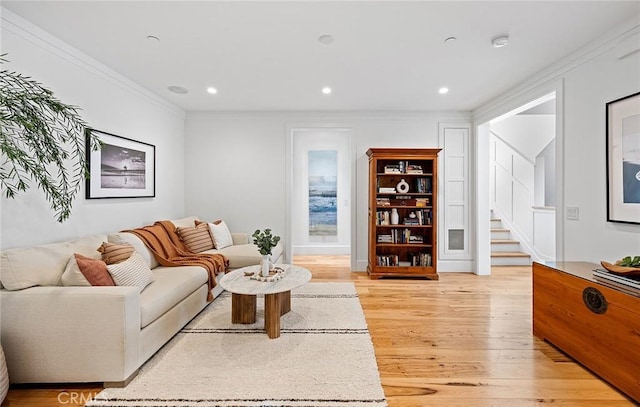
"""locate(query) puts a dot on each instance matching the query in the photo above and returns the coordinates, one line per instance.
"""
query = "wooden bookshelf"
(408, 248)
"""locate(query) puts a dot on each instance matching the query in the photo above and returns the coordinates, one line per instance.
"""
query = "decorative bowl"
(621, 270)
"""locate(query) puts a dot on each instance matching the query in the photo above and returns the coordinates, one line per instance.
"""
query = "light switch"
(573, 213)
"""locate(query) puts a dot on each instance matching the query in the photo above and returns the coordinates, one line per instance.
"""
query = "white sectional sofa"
(54, 334)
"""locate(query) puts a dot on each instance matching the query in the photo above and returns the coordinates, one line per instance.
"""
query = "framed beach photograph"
(623, 160)
(122, 168)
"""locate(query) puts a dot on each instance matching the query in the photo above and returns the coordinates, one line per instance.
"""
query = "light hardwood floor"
(463, 340)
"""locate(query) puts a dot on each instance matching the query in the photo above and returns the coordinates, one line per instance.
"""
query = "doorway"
(320, 198)
(524, 170)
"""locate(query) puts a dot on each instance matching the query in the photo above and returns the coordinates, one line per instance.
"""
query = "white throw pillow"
(72, 275)
(131, 272)
(221, 235)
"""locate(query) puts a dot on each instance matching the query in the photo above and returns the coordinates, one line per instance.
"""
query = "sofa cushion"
(189, 221)
(138, 245)
(43, 265)
(197, 239)
(113, 253)
(170, 286)
(85, 271)
(220, 234)
(244, 255)
(132, 272)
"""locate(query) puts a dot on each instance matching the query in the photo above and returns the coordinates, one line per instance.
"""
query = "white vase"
(403, 186)
(395, 219)
(265, 265)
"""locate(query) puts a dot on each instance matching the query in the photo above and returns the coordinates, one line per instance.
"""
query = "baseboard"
(123, 383)
(320, 250)
(456, 266)
(361, 265)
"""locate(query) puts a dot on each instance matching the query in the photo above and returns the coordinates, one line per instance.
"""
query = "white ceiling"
(387, 55)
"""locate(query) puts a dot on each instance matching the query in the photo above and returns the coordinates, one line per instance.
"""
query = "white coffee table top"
(236, 282)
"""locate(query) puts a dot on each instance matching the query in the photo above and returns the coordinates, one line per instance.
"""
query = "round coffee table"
(277, 295)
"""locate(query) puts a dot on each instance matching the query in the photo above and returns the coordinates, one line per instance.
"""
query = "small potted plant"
(265, 242)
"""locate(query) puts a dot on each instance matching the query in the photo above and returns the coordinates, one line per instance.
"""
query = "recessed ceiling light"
(212, 90)
(443, 90)
(325, 39)
(153, 38)
(326, 90)
(500, 41)
(178, 89)
(450, 40)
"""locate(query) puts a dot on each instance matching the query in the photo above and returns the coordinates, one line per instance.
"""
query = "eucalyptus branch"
(42, 140)
(265, 241)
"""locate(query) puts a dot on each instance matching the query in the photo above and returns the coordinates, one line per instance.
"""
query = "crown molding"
(337, 115)
(24, 29)
(556, 70)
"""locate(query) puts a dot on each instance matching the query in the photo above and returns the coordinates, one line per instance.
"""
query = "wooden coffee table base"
(243, 310)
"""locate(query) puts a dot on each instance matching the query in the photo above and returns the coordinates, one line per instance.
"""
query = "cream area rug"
(324, 357)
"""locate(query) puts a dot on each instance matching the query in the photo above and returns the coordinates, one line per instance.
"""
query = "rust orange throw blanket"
(163, 241)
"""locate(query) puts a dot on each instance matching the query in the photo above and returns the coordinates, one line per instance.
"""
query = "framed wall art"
(122, 168)
(623, 160)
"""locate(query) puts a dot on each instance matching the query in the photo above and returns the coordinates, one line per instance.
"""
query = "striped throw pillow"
(131, 272)
(113, 253)
(197, 239)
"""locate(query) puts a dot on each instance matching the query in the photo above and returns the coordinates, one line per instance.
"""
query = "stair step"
(509, 254)
(504, 241)
(499, 230)
(495, 220)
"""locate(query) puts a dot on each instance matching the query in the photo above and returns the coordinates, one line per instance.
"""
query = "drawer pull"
(594, 300)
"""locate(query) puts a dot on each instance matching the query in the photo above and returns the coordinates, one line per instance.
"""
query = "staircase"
(504, 250)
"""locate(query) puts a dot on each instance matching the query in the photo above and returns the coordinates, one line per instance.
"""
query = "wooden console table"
(596, 325)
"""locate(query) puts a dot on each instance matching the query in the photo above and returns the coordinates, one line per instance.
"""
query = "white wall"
(236, 161)
(527, 134)
(587, 89)
(108, 102)
(514, 188)
(585, 82)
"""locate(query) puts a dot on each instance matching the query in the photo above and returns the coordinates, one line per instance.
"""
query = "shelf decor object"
(403, 189)
(402, 186)
(122, 168)
(623, 160)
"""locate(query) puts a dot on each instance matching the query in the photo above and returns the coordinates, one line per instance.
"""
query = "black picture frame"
(121, 168)
(623, 159)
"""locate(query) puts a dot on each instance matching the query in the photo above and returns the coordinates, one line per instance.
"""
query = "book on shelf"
(385, 239)
(387, 260)
(416, 239)
(423, 185)
(392, 169)
(387, 190)
(383, 202)
(397, 236)
(423, 217)
(411, 221)
(420, 259)
(627, 285)
(414, 169)
(422, 201)
(403, 202)
(383, 218)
